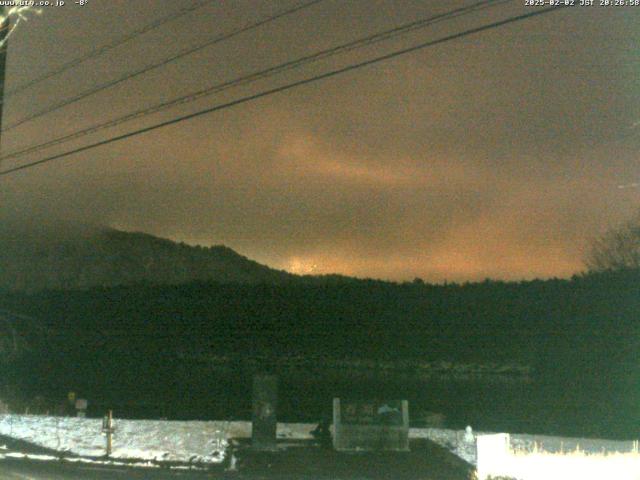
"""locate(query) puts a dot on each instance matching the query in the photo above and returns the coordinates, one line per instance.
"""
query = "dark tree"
(617, 249)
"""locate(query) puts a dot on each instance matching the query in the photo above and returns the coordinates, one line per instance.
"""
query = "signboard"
(371, 424)
(264, 419)
(371, 412)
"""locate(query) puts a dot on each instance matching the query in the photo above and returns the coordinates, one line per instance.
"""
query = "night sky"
(497, 155)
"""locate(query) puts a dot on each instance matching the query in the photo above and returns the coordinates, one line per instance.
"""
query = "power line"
(161, 63)
(5, 33)
(288, 86)
(105, 48)
(250, 78)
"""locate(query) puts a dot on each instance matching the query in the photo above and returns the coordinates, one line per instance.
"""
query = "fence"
(498, 458)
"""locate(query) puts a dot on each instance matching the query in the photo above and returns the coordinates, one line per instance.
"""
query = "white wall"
(496, 457)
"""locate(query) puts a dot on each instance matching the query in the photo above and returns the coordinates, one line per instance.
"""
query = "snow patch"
(196, 442)
(206, 442)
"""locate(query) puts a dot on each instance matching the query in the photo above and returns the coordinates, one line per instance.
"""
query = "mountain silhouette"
(33, 259)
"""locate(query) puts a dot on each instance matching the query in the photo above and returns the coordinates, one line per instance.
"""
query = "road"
(426, 461)
(12, 469)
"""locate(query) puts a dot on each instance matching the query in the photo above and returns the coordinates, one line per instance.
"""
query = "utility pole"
(5, 29)
(107, 429)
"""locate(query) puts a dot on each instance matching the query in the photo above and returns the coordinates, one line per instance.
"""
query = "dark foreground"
(426, 461)
(11, 469)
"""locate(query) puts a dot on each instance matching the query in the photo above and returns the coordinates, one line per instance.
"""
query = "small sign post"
(81, 407)
(69, 408)
(108, 429)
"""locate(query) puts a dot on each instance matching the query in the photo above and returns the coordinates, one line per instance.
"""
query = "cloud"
(498, 155)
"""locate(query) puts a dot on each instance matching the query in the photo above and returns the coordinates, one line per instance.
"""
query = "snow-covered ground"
(153, 440)
(177, 441)
(463, 443)
(205, 442)
(199, 442)
(458, 442)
